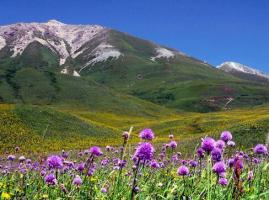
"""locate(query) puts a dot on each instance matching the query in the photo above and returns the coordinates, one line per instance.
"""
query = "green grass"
(52, 128)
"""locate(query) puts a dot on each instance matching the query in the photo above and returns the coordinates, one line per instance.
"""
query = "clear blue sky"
(211, 30)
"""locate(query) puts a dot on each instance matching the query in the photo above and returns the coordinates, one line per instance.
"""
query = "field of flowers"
(216, 170)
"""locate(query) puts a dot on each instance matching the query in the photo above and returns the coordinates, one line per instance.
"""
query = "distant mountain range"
(98, 67)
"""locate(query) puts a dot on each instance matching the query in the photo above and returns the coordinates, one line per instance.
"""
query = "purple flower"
(231, 162)
(125, 135)
(80, 167)
(154, 164)
(104, 190)
(50, 179)
(220, 144)
(173, 144)
(95, 151)
(216, 155)
(193, 163)
(208, 144)
(146, 134)
(200, 153)
(219, 168)
(55, 162)
(183, 170)
(77, 181)
(223, 181)
(256, 161)
(144, 151)
(11, 157)
(226, 136)
(260, 149)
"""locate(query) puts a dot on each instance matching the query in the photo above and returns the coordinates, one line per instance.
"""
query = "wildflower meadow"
(148, 170)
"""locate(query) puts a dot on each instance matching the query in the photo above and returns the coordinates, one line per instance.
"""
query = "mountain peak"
(55, 22)
(232, 67)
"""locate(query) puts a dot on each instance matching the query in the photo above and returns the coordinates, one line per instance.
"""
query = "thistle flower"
(146, 134)
(125, 135)
(223, 182)
(260, 149)
(50, 179)
(208, 144)
(154, 164)
(77, 181)
(171, 136)
(216, 155)
(11, 157)
(144, 151)
(200, 153)
(55, 162)
(95, 151)
(226, 136)
(193, 163)
(219, 168)
(220, 144)
(22, 158)
(173, 144)
(80, 167)
(183, 170)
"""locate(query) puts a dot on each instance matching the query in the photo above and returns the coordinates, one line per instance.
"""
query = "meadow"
(215, 170)
(45, 129)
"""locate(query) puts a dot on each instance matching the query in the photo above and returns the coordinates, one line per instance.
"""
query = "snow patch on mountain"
(66, 40)
(101, 53)
(233, 66)
(67, 70)
(2, 42)
(162, 53)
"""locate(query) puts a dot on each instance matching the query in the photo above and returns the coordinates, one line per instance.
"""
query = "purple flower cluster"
(144, 151)
(146, 134)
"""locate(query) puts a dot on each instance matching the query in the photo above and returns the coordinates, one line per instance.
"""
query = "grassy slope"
(39, 129)
(182, 83)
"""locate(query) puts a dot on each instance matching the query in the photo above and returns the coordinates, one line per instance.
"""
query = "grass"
(52, 128)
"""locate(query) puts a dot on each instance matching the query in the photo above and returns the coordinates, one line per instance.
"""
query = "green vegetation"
(52, 128)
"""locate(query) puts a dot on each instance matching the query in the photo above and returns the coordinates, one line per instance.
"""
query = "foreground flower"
(223, 181)
(173, 144)
(260, 149)
(95, 151)
(226, 136)
(146, 134)
(5, 196)
(219, 168)
(208, 144)
(77, 181)
(55, 162)
(144, 151)
(50, 179)
(183, 170)
(216, 155)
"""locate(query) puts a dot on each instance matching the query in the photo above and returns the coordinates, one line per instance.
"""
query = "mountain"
(100, 68)
(243, 71)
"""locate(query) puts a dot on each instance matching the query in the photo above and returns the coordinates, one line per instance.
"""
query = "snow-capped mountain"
(240, 70)
(86, 44)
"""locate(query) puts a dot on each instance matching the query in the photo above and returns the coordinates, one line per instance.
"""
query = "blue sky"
(211, 30)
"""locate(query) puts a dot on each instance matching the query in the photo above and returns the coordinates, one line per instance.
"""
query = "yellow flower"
(45, 196)
(5, 195)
